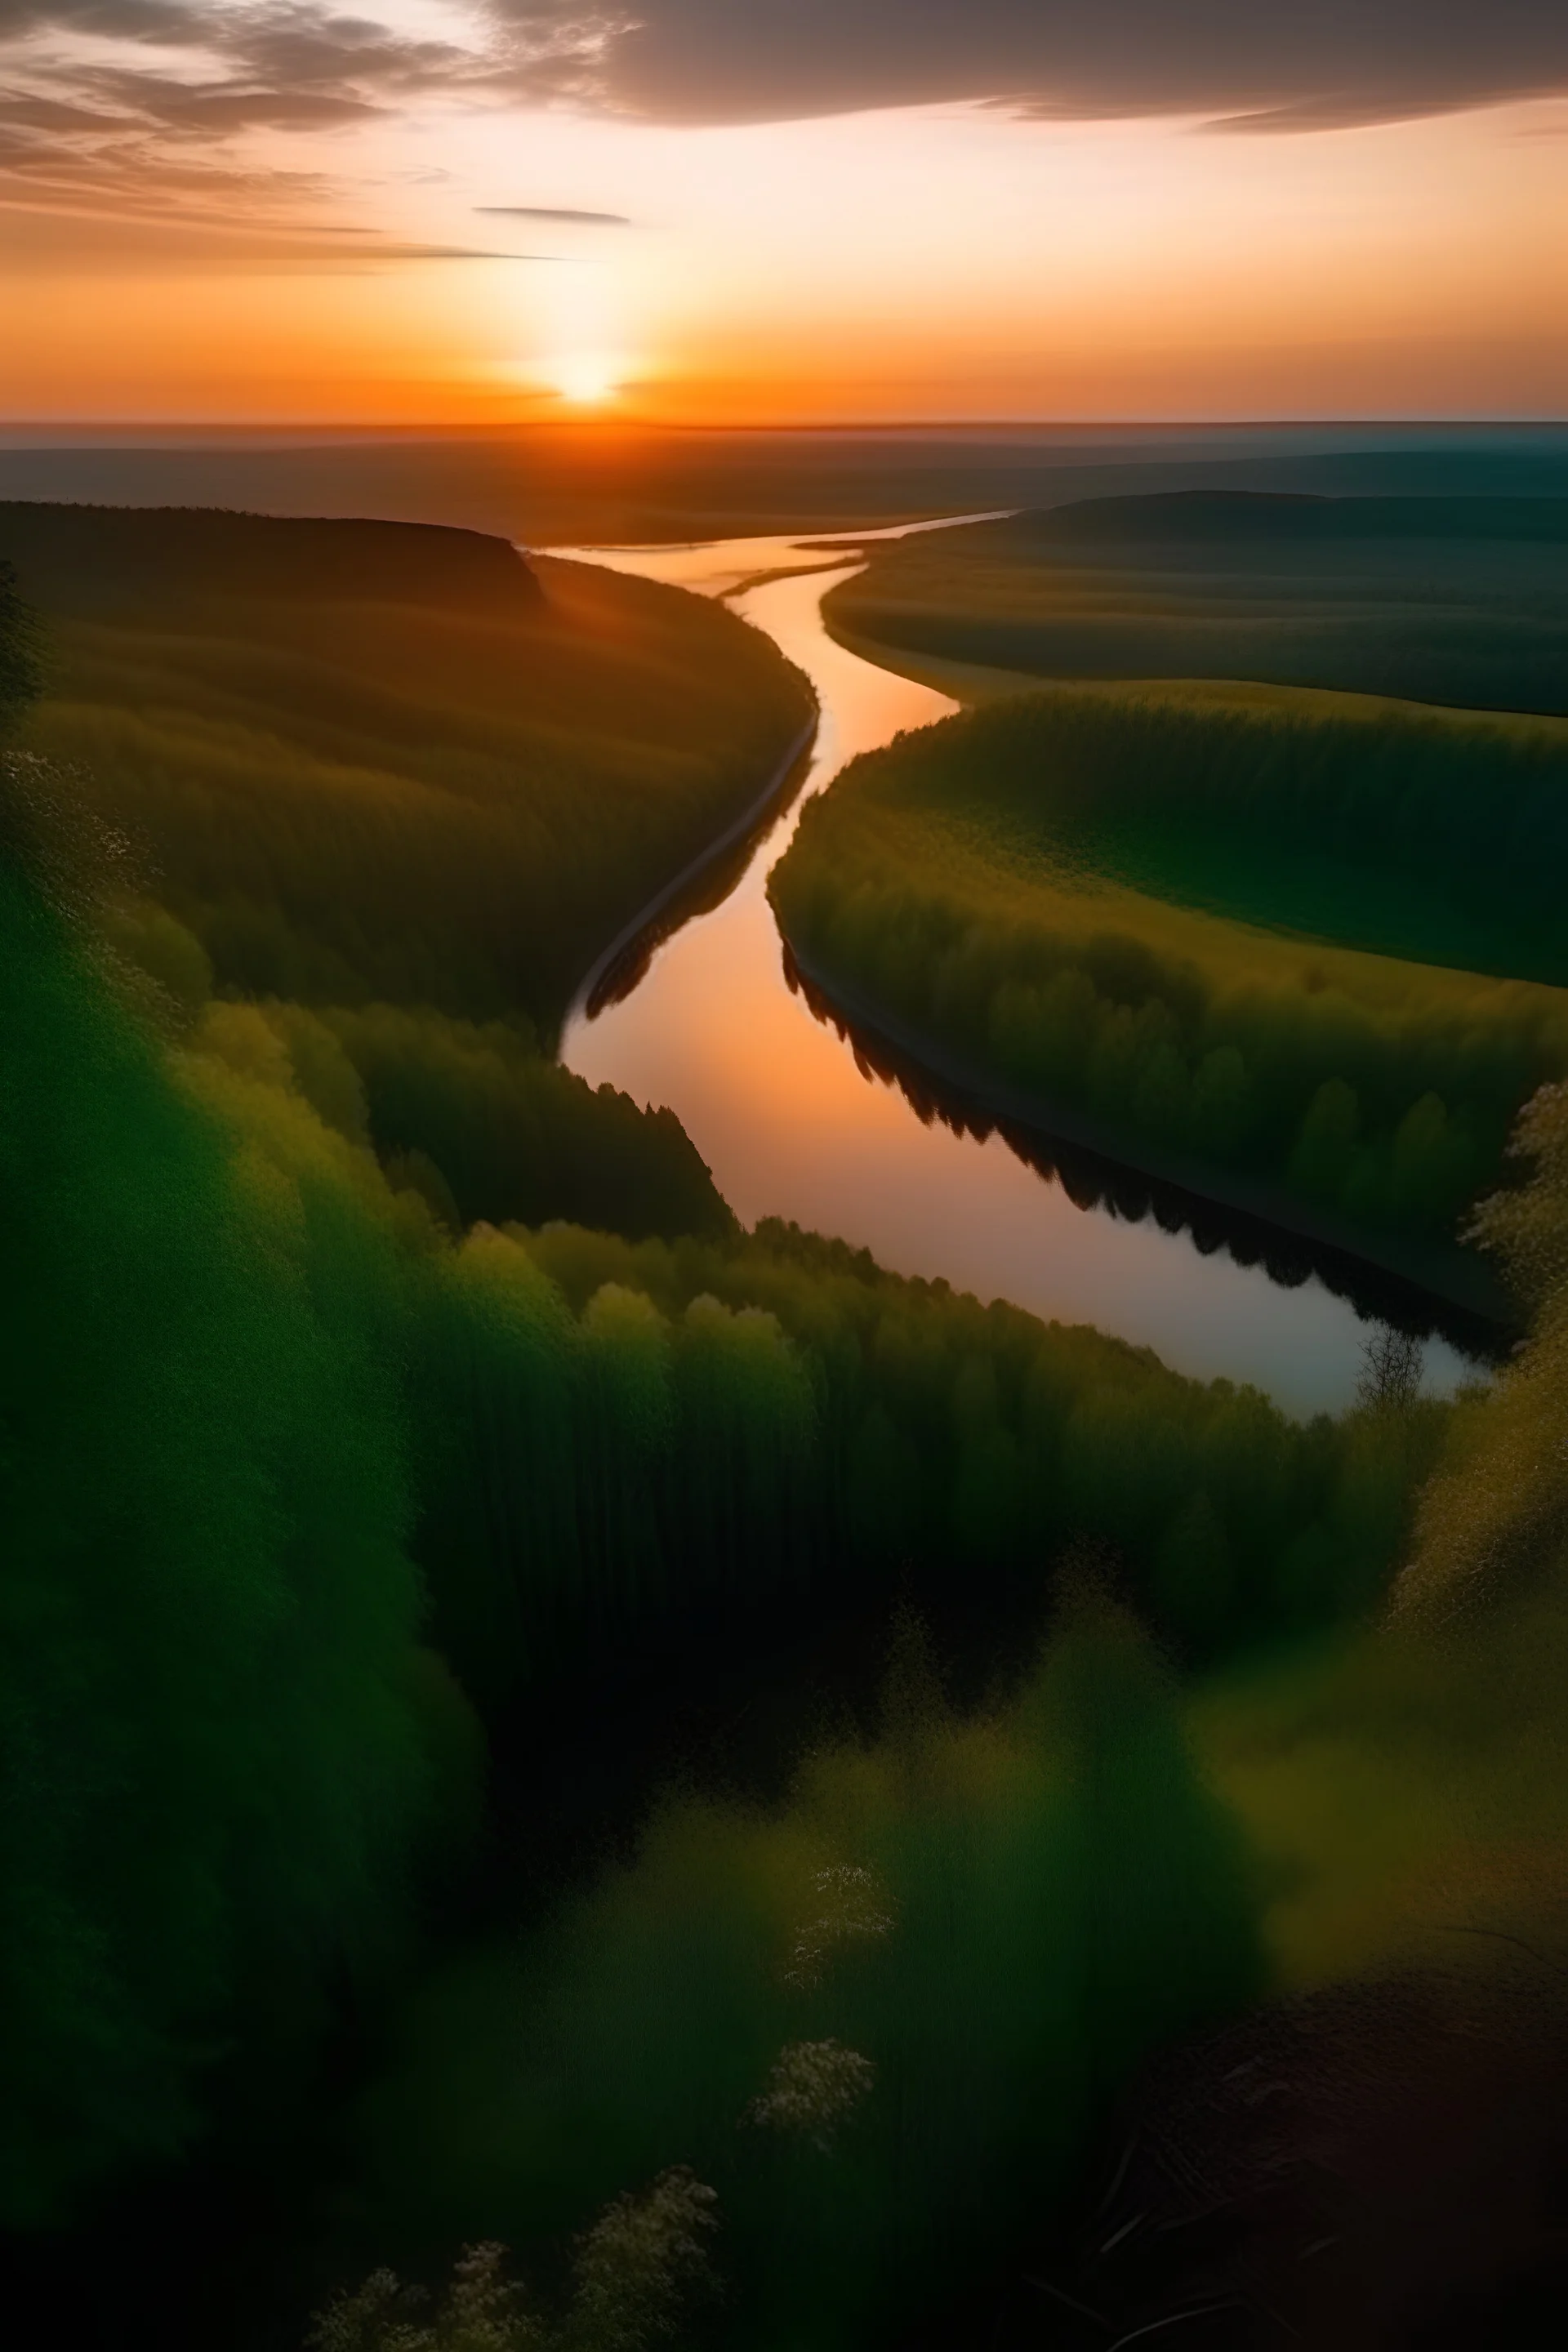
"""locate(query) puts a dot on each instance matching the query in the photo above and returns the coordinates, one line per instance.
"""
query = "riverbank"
(1452, 1276)
(587, 993)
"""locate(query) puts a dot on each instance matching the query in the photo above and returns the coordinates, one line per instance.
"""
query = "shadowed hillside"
(81, 560)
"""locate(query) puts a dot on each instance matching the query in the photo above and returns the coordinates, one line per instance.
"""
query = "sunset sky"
(782, 210)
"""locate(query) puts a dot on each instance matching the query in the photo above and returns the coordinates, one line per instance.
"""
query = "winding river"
(794, 1122)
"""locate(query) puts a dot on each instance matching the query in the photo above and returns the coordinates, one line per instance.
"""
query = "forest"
(1306, 951)
(422, 1495)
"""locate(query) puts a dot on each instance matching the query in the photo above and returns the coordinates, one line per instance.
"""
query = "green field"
(1197, 927)
(1452, 600)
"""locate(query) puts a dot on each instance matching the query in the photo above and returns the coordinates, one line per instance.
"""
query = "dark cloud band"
(1279, 62)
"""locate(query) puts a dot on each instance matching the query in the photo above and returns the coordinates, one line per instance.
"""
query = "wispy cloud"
(72, 227)
(556, 212)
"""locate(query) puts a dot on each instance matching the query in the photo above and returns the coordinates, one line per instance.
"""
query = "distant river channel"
(797, 1121)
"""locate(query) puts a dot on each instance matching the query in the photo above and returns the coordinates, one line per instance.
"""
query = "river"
(794, 1123)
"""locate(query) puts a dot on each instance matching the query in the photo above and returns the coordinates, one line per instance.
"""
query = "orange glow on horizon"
(942, 264)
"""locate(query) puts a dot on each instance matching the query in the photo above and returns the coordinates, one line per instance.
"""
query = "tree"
(1391, 1364)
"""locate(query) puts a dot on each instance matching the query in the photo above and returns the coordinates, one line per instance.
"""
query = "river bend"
(794, 1123)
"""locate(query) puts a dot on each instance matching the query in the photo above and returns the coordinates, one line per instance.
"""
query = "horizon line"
(470, 428)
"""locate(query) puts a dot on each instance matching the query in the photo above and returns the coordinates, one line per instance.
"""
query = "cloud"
(215, 109)
(132, 20)
(1266, 64)
(557, 213)
(1301, 64)
(273, 64)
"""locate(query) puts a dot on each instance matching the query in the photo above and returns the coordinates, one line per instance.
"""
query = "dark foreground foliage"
(222, 1734)
(879, 2018)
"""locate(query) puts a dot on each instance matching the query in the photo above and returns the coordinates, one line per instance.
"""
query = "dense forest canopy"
(222, 1738)
(532, 1451)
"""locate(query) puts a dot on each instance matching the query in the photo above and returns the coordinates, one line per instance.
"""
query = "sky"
(488, 211)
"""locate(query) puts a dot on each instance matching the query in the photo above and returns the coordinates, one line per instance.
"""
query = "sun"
(584, 378)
